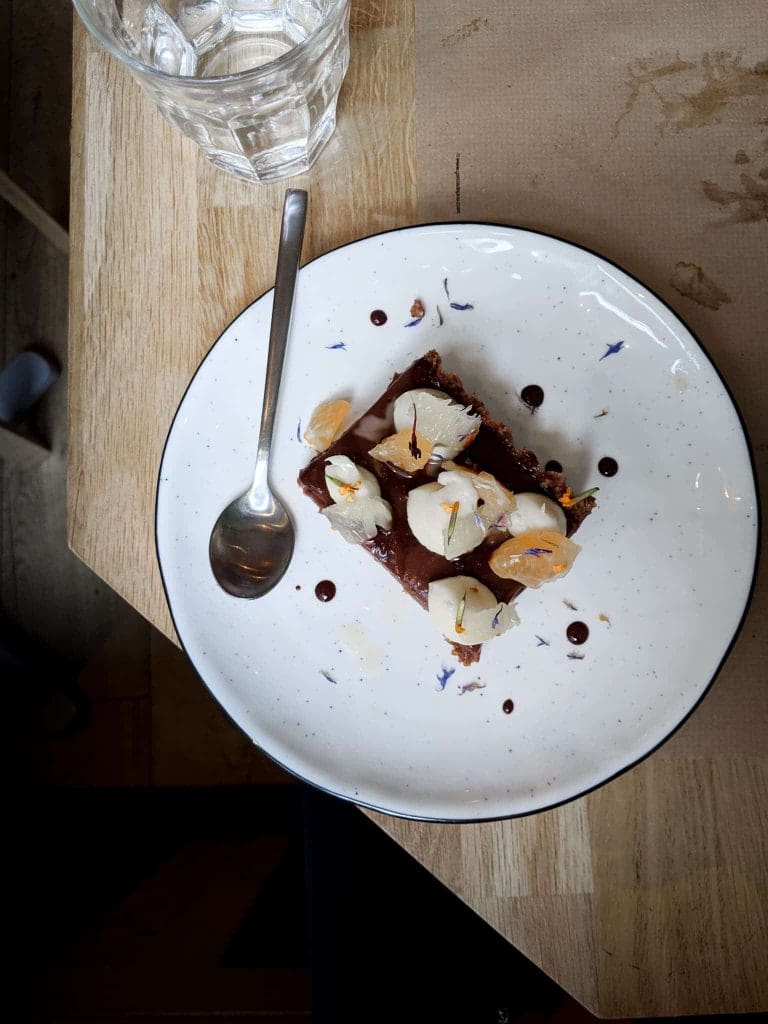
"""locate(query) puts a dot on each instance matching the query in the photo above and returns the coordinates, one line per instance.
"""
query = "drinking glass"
(253, 82)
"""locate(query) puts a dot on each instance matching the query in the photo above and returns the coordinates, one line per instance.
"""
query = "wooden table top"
(645, 898)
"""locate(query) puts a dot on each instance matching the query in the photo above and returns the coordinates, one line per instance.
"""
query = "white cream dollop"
(356, 481)
(535, 512)
(496, 500)
(483, 503)
(449, 425)
(429, 510)
(358, 509)
(483, 617)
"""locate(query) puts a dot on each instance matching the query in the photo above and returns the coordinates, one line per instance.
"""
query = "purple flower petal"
(542, 642)
(462, 305)
(414, 322)
(443, 677)
(298, 431)
(339, 344)
(612, 350)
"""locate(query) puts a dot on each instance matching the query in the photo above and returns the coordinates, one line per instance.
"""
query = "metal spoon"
(252, 542)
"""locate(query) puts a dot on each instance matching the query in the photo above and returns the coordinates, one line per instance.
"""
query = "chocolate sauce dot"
(553, 466)
(532, 395)
(298, 586)
(378, 317)
(508, 707)
(325, 590)
(577, 632)
(608, 466)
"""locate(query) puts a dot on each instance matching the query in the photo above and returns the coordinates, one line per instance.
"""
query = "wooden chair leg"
(24, 204)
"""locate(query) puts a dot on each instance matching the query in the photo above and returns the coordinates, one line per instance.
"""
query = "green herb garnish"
(568, 500)
(451, 525)
(460, 613)
(585, 494)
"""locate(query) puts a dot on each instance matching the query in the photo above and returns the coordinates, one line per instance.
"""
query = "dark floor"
(240, 881)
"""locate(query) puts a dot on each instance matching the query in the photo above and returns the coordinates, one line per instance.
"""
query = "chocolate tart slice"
(493, 450)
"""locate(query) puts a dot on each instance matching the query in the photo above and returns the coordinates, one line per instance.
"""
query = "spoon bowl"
(252, 541)
(250, 550)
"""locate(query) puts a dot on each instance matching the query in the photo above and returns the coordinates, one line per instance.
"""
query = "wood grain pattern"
(646, 897)
(650, 895)
(167, 251)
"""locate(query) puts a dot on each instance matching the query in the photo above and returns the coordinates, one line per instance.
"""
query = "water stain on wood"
(464, 32)
(690, 281)
(747, 206)
(644, 74)
(691, 94)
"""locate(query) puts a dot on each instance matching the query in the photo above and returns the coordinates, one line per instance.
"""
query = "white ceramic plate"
(346, 694)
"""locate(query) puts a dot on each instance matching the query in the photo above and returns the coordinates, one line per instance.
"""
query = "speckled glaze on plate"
(353, 694)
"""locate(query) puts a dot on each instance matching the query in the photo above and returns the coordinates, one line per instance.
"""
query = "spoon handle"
(288, 255)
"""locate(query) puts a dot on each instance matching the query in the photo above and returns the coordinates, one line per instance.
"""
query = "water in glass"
(269, 120)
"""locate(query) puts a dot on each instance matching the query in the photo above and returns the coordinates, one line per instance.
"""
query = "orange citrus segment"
(404, 450)
(325, 423)
(534, 557)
